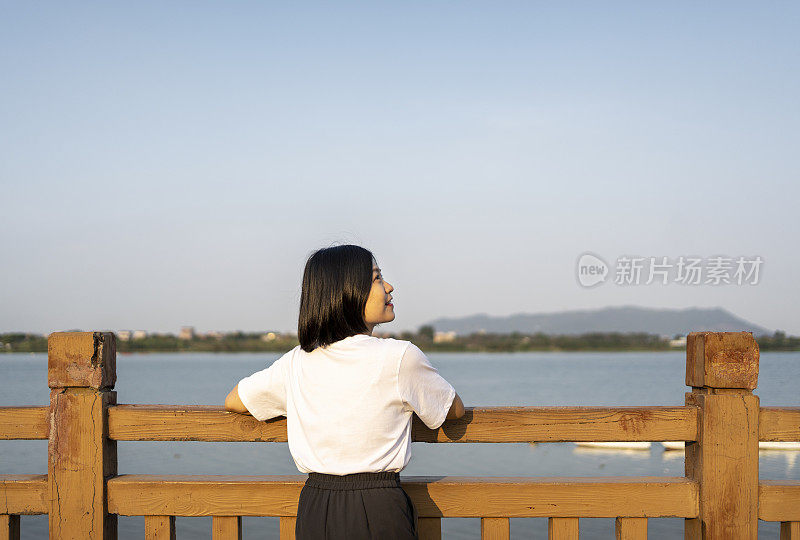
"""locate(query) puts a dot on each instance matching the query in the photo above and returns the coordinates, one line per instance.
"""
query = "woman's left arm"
(233, 402)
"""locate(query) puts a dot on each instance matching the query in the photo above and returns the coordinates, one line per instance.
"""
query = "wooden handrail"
(779, 500)
(449, 496)
(487, 424)
(23, 494)
(26, 494)
(478, 425)
(24, 423)
(779, 424)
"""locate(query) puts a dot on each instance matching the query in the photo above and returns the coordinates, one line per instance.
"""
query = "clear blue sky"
(168, 164)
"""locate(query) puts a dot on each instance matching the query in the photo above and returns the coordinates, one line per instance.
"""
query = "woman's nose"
(389, 287)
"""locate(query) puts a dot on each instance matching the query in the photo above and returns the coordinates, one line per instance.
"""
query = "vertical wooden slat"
(790, 530)
(722, 369)
(562, 528)
(631, 528)
(226, 528)
(430, 528)
(159, 527)
(81, 369)
(288, 527)
(495, 529)
(9, 527)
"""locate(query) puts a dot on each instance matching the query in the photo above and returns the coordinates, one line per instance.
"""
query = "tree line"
(425, 337)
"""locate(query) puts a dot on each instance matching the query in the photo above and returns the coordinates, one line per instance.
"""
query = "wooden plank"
(565, 528)
(724, 462)
(627, 528)
(429, 528)
(23, 493)
(190, 423)
(563, 424)
(722, 368)
(790, 530)
(555, 496)
(479, 424)
(779, 500)
(79, 461)
(287, 527)
(204, 495)
(495, 529)
(779, 424)
(226, 528)
(722, 360)
(9, 527)
(183, 495)
(29, 423)
(82, 359)
(159, 527)
(81, 369)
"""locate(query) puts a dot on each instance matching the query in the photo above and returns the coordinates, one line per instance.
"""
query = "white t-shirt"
(348, 406)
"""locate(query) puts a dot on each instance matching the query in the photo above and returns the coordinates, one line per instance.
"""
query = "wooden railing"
(720, 496)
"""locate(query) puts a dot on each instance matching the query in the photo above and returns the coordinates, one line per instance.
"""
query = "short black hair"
(336, 284)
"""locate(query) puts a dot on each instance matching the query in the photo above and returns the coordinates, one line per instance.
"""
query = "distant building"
(214, 335)
(444, 337)
(187, 332)
(678, 342)
(124, 335)
(139, 334)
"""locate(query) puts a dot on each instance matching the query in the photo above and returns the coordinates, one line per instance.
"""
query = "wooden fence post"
(81, 372)
(722, 369)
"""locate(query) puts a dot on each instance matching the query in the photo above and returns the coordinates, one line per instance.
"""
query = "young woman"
(348, 398)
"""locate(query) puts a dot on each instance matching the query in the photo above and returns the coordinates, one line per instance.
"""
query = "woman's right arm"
(456, 409)
(233, 402)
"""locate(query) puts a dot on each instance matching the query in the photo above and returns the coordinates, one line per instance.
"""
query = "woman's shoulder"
(400, 346)
(386, 339)
(287, 357)
(363, 343)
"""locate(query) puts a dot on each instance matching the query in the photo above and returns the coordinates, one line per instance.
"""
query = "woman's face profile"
(379, 308)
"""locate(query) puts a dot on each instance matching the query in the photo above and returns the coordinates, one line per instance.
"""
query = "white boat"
(673, 445)
(669, 455)
(762, 445)
(778, 445)
(635, 445)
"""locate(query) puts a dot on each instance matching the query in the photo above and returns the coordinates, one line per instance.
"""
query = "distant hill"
(667, 322)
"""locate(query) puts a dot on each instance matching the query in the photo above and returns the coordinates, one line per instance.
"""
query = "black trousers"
(359, 506)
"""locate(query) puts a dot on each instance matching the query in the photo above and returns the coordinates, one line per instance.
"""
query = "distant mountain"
(667, 322)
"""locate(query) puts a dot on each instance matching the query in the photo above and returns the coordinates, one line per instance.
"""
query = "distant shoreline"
(425, 338)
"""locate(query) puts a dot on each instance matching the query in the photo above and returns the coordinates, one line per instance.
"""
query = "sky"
(165, 164)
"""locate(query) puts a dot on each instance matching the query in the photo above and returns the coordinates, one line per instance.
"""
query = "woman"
(348, 398)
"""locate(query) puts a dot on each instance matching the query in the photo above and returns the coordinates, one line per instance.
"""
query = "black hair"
(336, 284)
